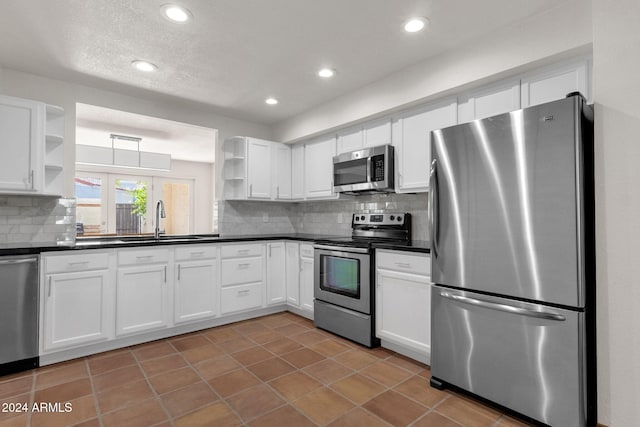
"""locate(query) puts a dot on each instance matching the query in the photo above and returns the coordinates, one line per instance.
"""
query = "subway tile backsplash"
(29, 219)
(321, 217)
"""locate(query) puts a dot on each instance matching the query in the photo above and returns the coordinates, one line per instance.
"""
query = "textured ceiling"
(235, 53)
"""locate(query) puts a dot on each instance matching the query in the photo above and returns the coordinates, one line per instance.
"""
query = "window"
(120, 204)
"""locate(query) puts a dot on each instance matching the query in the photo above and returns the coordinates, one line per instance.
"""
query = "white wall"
(616, 61)
(562, 32)
(66, 95)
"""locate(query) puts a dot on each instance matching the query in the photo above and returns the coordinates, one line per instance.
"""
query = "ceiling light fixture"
(145, 66)
(176, 13)
(271, 101)
(326, 73)
(416, 24)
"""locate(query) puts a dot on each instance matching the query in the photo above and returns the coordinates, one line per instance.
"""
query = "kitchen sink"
(96, 241)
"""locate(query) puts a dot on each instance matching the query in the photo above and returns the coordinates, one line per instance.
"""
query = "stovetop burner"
(367, 229)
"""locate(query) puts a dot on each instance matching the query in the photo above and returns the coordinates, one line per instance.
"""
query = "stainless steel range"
(343, 291)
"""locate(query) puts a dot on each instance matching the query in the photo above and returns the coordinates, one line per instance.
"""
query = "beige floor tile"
(358, 417)
(271, 368)
(127, 394)
(358, 388)
(386, 373)
(356, 359)
(294, 385)
(254, 402)
(212, 368)
(187, 399)
(174, 380)
(216, 414)
(285, 416)
(328, 371)
(252, 355)
(303, 357)
(233, 382)
(146, 413)
(418, 388)
(101, 365)
(163, 364)
(468, 412)
(323, 405)
(395, 408)
(434, 419)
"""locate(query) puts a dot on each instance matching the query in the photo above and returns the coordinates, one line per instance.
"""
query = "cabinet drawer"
(142, 256)
(243, 297)
(409, 262)
(242, 270)
(195, 252)
(234, 251)
(79, 261)
(306, 250)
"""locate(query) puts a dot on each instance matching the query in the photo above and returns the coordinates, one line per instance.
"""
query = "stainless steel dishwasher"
(18, 313)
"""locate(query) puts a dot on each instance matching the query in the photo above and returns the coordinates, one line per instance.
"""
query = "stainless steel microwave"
(364, 171)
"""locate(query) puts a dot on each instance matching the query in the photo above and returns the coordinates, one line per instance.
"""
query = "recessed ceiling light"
(326, 73)
(176, 13)
(145, 66)
(414, 25)
(271, 101)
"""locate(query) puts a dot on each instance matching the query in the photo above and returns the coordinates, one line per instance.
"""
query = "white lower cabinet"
(143, 291)
(78, 308)
(306, 277)
(195, 293)
(276, 273)
(403, 303)
(293, 273)
(242, 277)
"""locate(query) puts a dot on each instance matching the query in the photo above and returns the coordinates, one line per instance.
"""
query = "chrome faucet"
(160, 213)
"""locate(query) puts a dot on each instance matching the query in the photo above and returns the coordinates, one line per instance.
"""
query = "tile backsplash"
(321, 217)
(30, 219)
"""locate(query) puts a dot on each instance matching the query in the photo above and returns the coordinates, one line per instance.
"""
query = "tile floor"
(276, 370)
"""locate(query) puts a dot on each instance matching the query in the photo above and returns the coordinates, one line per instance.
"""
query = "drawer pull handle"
(200, 253)
(243, 293)
(243, 266)
(72, 264)
(144, 257)
(243, 251)
(403, 264)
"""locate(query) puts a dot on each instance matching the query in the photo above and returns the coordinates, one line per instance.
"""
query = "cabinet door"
(318, 168)
(297, 171)
(489, 101)
(403, 307)
(377, 133)
(414, 145)
(282, 172)
(306, 284)
(350, 140)
(293, 273)
(258, 168)
(142, 299)
(77, 309)
(22, 137)
(276, 273)
(556, 83)
(195, 290)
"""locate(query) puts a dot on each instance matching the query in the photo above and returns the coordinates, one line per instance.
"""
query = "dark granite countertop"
(131, 241)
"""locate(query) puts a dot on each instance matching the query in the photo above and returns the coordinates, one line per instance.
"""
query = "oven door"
(342, 277)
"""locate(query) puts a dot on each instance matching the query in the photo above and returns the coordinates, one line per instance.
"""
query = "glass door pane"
(92, 201)
(130, 212)
(340, 275)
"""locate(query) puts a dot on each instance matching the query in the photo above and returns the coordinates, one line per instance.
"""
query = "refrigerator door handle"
(504, 307)
(434, 216)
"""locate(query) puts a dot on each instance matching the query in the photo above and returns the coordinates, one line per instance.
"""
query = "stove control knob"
(392, 217)
(399, 218)
(362, 218)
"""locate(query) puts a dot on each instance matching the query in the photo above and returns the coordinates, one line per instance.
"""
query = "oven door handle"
(342, 249)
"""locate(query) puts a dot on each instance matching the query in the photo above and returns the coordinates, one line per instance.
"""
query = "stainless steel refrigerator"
(511, 212)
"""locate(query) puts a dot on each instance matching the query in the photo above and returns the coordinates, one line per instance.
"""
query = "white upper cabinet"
(259, 168)
(318, 168)
(281, 171)
(555, 83)
(21, 127)
(350, 140)
(31, 141)
(377, 133)
(370, 134)
(489, 101)
(297, 172)
(412, 140)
